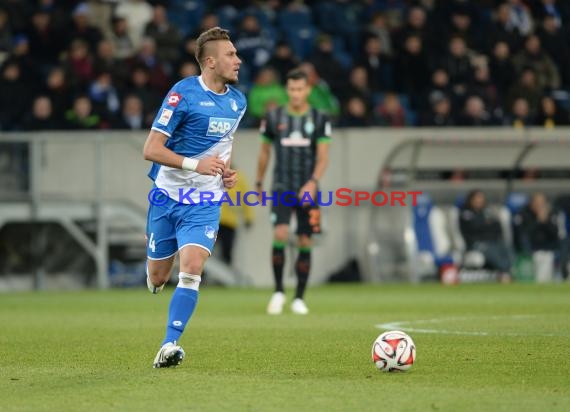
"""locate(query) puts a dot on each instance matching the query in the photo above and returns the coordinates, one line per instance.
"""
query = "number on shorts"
(151, 243)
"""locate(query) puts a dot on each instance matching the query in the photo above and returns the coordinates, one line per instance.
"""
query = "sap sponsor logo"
(165, 117)
(174, 98)
(219, 126)
(207, 104)
(295, 139)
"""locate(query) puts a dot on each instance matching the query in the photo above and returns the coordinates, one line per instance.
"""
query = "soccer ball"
(393, 351)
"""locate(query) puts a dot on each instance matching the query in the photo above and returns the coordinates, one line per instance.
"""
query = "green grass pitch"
(480, 348)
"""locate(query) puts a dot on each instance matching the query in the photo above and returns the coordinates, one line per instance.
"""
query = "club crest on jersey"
(233, 105)
(220, 126)
(309, 127)
(174, 98)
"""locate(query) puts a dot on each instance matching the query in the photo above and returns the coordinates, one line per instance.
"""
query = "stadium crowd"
(105, 64)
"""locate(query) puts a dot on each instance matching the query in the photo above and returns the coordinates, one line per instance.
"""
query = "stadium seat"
(186, 14)
(340, 53)
(294, 19)
(302, 40)
(516, 201)
(227, 17)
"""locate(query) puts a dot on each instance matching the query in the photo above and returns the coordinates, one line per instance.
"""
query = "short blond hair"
(213, 34)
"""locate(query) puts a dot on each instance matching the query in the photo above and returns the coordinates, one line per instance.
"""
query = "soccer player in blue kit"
(190, 145)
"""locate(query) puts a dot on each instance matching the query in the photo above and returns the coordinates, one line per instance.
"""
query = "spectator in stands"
(132, 116)
(46, 40)
(254, 43)
(355, 113)
(81, 116)
(328, 66)
(283, 60)
(187, 69)
(439, 84)
(158, 70)
(378, 65)
(82, 29)
(475, 113)
(58, 90)
(440, 114)
(482, 86)
(188, 50)
(537, 228)
(123, 45)
(416, 24)
(520, 17)
(321, 97)
(267, 93)
(358, 87)
(42, 116)
(166, 36)
(29, 70)
(527, 88)
(105, 61)
(460, 25)
(79, 64)
(533, 56)
(412, 69)
(559, 10)
(501, 70)
(458, 65)
(14, 96)
(5, 35)
(379, 27)
(503, 30)
(390, 112)
(139, 84)
(104, 95)
(519, 116)
(138, 14)
(556, 43)
(550, 114)
(482, 232)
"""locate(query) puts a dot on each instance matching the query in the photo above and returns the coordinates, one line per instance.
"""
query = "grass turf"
(504, 347)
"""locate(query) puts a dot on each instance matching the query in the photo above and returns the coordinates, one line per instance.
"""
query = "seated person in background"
(536, 229)
(482, 232)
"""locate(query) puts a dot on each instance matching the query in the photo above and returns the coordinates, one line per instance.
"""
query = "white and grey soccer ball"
(394, 351)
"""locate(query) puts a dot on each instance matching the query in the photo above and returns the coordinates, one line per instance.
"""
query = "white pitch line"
(403, 326)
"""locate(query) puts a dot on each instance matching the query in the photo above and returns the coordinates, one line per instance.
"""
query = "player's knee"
(281, 233)
(304, 241)
(193, 267)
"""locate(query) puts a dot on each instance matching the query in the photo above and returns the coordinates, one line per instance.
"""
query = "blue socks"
(182, 304)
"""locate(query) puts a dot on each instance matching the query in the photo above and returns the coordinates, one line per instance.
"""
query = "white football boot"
(276, 303)
(153, 289)
(169, 355)
(298, 307)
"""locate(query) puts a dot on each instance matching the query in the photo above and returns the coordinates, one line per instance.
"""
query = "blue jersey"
(199, 123)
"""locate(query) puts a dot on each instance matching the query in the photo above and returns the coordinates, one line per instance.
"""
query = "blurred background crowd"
(107, 64)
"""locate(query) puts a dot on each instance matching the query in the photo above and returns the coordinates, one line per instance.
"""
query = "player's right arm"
(156, 151)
